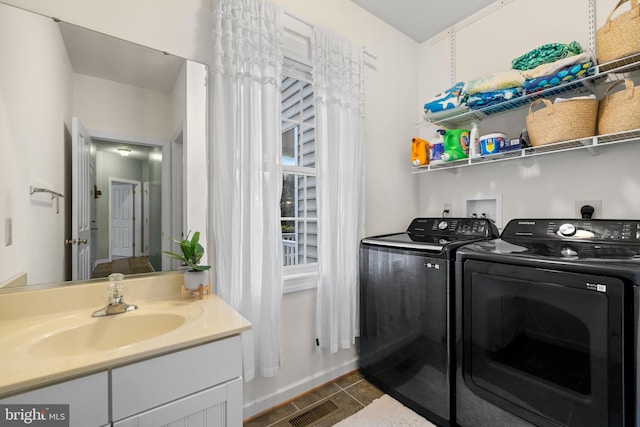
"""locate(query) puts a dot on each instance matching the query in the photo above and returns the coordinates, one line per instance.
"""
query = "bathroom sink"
(80, 334)
(106, 333)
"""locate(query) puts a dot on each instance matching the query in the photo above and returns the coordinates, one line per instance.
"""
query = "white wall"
(32, 144)
(542, 186)
(195, 153)
(122, 109)
(178, 211)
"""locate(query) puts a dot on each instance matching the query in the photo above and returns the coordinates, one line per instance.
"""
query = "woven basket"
(563, 121)
(619, 37)
(619, 111)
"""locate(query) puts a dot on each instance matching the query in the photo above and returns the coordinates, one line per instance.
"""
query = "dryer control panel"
(623, 231)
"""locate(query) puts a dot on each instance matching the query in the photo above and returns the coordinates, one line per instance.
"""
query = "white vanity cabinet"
(87, 397)
(216, 406)
(200, 386)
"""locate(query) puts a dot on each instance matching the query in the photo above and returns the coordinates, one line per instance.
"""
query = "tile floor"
(125, 266)
(349, 393)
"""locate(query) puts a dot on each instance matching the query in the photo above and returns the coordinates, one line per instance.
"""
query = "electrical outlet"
(597, 206)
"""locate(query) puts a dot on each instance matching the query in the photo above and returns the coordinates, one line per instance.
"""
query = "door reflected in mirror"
(100, 121)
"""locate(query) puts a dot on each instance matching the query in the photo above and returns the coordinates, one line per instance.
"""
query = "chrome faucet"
(116, 303)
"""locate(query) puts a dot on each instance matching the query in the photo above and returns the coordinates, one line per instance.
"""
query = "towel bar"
(54, 195)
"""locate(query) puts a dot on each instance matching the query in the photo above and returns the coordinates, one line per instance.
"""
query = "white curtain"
(338, 80)
(246, 173)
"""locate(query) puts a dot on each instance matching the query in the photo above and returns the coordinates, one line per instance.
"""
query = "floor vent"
(314, 414)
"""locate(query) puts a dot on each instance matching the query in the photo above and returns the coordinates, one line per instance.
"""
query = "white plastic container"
(474, 141)
(490, 143)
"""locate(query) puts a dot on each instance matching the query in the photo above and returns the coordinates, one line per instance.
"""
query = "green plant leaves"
(192, 252)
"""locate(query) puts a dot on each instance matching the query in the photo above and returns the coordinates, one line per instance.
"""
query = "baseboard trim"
(297, 388)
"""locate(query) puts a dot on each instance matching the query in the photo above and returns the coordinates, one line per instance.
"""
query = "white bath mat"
(385, 412)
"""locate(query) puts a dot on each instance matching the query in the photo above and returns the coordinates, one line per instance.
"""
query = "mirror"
(92, 130)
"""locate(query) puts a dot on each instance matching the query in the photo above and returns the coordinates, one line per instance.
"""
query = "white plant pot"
(193, 279)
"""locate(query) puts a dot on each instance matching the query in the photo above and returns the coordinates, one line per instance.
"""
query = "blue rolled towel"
(564, 75)
(485, 99)
(446, 100)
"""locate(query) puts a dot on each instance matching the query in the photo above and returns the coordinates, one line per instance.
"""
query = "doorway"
(130, 191)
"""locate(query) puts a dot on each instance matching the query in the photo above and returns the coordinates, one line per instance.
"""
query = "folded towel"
(486, 99)
(565, 75)
(552, 67)
(448, 99)
(494, 82)
(545, 54)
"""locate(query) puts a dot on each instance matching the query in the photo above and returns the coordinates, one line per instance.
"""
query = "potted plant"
(192, 252)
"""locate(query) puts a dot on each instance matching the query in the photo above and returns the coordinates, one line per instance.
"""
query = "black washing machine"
(547, 325)
(405, 310)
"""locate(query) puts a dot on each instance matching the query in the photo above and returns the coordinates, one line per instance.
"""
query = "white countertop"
(28, 317)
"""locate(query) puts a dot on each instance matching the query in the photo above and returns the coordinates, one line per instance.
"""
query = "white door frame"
(137, 209)
(178, 192)
(145, 219)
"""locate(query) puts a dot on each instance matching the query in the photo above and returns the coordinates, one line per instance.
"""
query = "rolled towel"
(552, 67)
(446, 100)
(565, 75)
(545, 54)
(485, 99)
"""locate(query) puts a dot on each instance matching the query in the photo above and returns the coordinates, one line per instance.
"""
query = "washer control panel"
(625, 231)
(475, 227)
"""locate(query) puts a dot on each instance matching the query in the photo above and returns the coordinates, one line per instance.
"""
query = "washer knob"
(567, 230)
(443, 225)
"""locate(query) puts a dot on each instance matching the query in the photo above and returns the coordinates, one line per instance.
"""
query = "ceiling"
(422, 19)
(136, 151)
(95, 54)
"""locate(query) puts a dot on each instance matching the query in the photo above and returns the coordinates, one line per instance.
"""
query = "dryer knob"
(567, 251)
(443, 225)
(567, 230)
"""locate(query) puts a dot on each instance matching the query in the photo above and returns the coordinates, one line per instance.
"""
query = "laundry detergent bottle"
(437, 148)
(456, 144)
(419, 152)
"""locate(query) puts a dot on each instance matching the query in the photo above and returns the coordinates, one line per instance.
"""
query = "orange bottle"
(419, 152)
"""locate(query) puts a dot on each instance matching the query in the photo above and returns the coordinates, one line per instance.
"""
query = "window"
(298, 210)
(298, 203)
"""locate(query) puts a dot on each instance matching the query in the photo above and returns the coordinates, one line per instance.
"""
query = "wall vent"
(314, 414)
